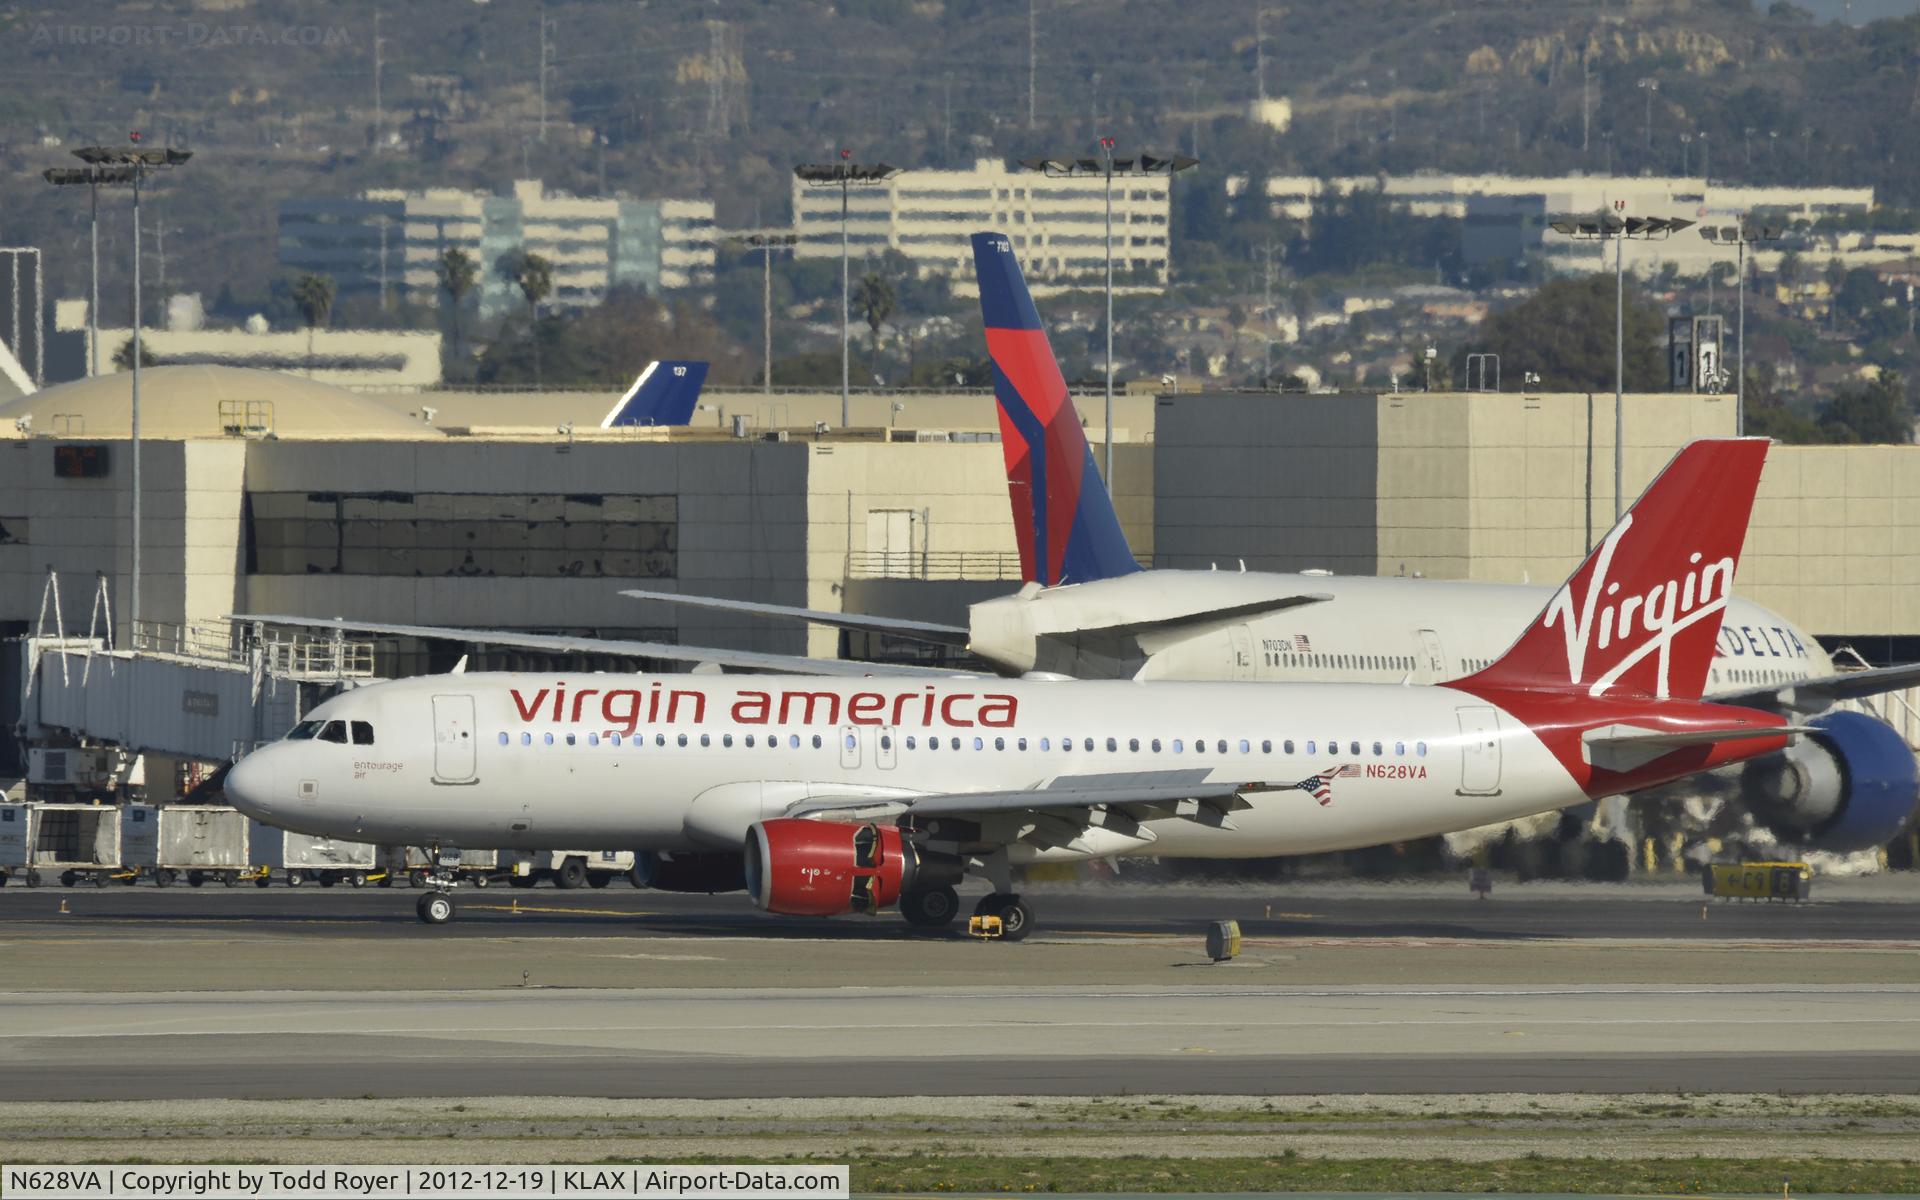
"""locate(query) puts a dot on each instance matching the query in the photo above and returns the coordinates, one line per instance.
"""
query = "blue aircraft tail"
(664, 394)
(1062, 512)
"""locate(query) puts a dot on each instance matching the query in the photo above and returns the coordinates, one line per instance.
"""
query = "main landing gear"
(1016, 917)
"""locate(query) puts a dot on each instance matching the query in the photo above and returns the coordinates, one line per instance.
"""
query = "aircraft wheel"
(435, 908)
(1016, 918)
(572, 874)
(932, 909)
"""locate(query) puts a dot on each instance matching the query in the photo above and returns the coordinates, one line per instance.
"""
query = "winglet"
(664, 394)
(1062, 515)
(1641, 614)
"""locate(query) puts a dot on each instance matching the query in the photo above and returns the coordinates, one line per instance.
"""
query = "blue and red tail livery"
(664, 394)
(1068, 530)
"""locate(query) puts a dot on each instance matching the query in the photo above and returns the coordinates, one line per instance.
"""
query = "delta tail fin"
(664, 394)
(1642, 613)
(1064, 518)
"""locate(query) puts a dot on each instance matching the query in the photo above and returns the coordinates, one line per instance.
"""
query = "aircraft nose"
(250, 785)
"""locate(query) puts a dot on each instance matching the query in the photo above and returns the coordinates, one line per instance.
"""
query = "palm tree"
(313, 296)
(533, 275)
(874, 298)
(458, 273)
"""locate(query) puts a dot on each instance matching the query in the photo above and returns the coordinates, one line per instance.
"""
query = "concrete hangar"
(271, 493)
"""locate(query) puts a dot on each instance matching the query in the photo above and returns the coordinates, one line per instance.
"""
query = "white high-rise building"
(1057, 226)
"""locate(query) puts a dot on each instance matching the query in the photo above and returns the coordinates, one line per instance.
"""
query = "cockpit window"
(362, 733)
(334, 731)
(304, 731)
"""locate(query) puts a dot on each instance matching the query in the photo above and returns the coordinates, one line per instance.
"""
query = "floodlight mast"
(116, 165)
(1740, 235)
(1600, 229)
(766, 244)
(1106, 167)
(844, 174)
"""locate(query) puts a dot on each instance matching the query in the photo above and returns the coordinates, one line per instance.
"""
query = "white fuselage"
(691, 761)
(1372, 629)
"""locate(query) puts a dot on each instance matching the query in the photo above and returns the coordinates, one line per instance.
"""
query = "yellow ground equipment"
(1758, 880)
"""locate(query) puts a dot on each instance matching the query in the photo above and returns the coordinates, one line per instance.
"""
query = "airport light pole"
(1106, 167)
(91, 178)
(1613, 227)
(765, 244)
(844, 175)
(1739, 235)
(114, 164)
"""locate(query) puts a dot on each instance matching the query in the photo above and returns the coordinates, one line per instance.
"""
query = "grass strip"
(1299, 1173)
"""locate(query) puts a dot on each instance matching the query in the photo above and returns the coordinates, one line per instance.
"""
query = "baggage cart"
(199, 843)
(76, 843)
(476, 867)
(301, 858)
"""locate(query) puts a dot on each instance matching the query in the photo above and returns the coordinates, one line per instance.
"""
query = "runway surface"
(1873, 909)
(1004, 1040)
(136, 992)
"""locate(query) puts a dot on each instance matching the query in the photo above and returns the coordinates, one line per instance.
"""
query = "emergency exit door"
(453, 740)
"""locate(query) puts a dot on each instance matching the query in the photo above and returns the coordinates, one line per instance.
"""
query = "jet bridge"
(197, 691)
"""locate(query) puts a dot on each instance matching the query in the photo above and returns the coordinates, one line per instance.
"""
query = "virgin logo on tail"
(1596, 620)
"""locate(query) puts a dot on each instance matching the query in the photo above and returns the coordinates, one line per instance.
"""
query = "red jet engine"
(823, 868)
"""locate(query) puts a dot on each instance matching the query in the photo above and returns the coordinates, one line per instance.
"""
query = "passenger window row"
(1341, 662)
(1043, 745)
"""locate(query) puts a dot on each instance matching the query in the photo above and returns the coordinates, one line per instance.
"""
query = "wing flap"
(1812, 695)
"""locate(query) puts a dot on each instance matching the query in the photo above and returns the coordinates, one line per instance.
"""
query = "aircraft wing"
(1205, 616)
(1816, 695)
(1061, 811)
(791, 664)
(920, 631)
(1625, 747)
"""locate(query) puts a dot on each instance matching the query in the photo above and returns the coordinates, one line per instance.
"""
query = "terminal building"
(267, 493)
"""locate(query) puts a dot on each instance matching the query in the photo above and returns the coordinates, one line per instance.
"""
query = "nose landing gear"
(436, 906)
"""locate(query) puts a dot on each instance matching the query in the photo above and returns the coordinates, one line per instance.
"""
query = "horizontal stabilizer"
(920, 631)
(791, 664)
(1628, 747)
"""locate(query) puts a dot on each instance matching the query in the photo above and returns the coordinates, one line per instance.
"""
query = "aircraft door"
(886, 755)
(1479, 751)
(453, 740)
(850, 746)
(1433, 660)
(1241, 639)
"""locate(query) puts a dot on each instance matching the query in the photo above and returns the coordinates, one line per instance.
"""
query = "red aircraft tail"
(1642, 613)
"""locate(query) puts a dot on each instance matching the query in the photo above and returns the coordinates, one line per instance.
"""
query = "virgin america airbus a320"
(826, 796)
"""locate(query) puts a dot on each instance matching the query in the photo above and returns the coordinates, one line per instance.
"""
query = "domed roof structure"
(207, 401)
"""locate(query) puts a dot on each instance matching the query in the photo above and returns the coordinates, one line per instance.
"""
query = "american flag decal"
(1320, 786)
(1300, 640)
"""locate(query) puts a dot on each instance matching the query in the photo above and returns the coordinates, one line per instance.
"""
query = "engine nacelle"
(709, 873)
(1852, 786)
(823, 868)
